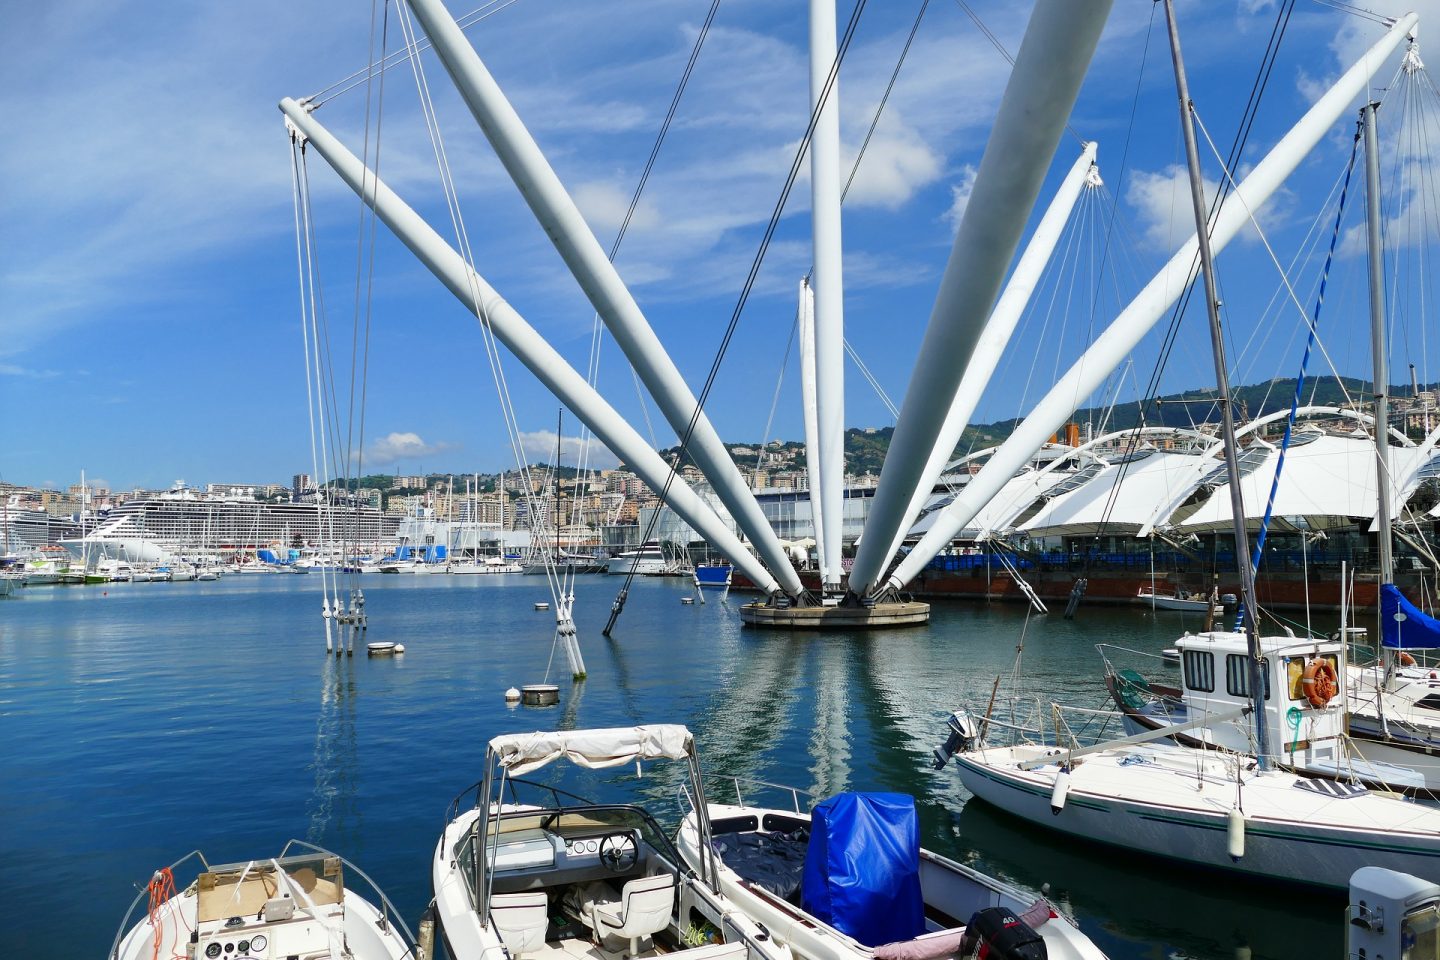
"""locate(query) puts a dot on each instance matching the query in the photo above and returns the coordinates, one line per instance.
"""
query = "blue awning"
(1404, 625)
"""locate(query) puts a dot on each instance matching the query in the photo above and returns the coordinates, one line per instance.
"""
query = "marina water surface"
(141, 721)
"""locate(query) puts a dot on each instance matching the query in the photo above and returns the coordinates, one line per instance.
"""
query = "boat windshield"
(243, 889)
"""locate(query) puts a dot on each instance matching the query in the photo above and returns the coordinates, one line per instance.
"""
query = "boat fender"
(1061, 791)
(1235, 834)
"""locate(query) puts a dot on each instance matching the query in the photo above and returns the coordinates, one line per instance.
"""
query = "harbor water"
(141, 721)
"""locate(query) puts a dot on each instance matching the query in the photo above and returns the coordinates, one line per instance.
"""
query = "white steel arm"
(582, 253)
(1042, 89)
(1142, 313)
(527, 344)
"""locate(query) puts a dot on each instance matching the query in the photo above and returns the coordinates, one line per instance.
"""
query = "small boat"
(299, 904)
(786, 869)
(542, 605)
(384, 648)
(1178, 599)
(532, 871)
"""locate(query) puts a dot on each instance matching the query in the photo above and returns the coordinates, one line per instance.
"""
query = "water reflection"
(332, 812)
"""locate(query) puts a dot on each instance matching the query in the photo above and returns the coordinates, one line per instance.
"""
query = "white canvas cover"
(520, 753)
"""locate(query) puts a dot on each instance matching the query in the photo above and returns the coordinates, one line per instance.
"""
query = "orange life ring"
(1406, 660)
(1319, 682)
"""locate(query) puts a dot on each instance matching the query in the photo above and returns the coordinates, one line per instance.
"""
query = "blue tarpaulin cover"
(267, 556)
(1417, 631)
(862, 870)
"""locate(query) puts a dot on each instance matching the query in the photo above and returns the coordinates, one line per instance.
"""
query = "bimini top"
(610, 747)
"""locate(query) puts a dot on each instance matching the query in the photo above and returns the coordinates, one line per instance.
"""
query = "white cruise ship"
(183, 522)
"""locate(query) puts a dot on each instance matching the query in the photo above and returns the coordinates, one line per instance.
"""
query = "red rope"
(162, 890)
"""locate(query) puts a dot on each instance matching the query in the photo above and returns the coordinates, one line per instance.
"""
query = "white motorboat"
(646, 561)
(768, 860)
(1177, 599)
(1305, 709)
(546, 875)
(299, 904)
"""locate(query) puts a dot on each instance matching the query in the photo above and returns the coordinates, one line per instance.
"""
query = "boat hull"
(1296, 852)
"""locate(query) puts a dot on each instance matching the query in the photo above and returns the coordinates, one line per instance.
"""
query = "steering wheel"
(618, 852)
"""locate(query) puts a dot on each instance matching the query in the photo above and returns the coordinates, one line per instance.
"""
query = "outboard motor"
(1392, 914)
(963, 735)
(995, 933)
(1231, 605)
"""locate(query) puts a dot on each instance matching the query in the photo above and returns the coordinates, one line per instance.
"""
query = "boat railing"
(144, 896)
(558, 797)
(741, 787)
(1039, 721)
(388, 913)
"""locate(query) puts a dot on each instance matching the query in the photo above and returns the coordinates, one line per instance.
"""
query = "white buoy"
(1236, 834)
(512, 695)
(1061, 791)
(399, 648)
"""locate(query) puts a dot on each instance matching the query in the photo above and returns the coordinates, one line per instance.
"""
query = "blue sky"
(149, 323)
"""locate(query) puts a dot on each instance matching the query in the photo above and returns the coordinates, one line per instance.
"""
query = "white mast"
(829, 290)
(1112, 346)
(557, 213)
(806, 321)
(999, 328)
(1042, 89)
(528, 346)
(1376, 252)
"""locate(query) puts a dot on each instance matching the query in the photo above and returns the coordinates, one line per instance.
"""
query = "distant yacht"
(648, 560)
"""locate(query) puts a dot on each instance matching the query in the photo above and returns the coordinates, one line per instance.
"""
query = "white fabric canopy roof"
(1012, 500)
(1151, 485)
(609, 747)
(1328, 481)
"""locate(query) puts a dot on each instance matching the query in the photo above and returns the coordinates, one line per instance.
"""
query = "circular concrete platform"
(882, 615)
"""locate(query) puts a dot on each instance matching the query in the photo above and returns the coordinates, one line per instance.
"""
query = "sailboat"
(1230, 811)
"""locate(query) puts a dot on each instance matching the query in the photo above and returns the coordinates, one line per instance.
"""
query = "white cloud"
(897, 163)
(403, 446)
(538, 446)
(960, 197)
(15, 370)
(604, 204)
(1163, 206)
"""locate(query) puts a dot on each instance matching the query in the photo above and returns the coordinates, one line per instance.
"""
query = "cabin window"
(1200, 670)
(1237, 675)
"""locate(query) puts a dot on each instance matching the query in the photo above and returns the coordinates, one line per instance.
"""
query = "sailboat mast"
(1222, 387)
(1377, 338)
(1377, 349)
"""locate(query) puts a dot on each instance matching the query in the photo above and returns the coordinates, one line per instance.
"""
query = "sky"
(150, 313)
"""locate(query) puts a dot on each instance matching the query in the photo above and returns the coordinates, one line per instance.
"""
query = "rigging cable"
(619, 605)
(1304, 362)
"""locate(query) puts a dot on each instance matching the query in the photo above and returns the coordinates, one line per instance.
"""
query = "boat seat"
(521, 919)
(644, 909)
